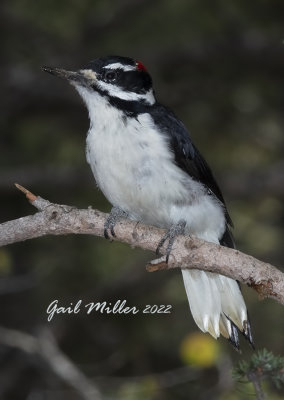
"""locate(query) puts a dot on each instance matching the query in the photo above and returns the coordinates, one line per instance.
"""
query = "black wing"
(189, 159)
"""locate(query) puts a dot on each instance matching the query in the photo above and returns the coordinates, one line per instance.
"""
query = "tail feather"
(225, 326)
(200, 289)
(217, 305)
(248, 333)
(234, 337)
(233, 305)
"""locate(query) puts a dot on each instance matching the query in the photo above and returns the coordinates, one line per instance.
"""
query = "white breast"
(134, 168)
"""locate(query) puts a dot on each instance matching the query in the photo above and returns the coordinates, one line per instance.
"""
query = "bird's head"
(119, 80)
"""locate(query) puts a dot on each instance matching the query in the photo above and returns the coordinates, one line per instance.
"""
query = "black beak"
(61, 73)
(71, 76)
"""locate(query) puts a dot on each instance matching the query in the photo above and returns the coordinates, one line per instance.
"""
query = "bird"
(144, 161)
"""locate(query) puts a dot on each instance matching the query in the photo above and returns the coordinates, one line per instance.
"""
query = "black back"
(189, 159)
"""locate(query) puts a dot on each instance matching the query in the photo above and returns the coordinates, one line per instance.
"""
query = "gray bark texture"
(188, 252)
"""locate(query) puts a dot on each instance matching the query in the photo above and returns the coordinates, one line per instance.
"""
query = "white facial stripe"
(115, 91)
(120, 66)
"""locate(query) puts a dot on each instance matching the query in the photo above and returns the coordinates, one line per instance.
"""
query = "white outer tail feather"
(214, 300)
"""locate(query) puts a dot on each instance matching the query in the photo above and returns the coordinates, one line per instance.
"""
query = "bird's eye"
(110, 75)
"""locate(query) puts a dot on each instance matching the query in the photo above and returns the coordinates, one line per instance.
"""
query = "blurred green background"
(219, 66)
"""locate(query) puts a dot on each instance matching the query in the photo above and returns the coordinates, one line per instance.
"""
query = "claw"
(161, 243)
(112, 230)
(106, 235)
(115, 215)
(171, 234)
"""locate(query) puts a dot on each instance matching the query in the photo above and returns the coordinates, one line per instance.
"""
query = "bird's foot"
(115, 215)
(171, 234)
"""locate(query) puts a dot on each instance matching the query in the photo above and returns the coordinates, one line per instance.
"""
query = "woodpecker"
(144, 161)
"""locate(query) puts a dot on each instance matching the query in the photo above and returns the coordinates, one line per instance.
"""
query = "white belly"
(134, 168)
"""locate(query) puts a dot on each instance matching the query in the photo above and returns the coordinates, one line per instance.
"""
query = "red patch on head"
(140, 66)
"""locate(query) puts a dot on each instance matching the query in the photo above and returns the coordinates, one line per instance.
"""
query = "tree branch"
(188, 252)
(45, 347)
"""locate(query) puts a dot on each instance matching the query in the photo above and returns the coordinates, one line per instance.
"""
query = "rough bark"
(188, 252)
